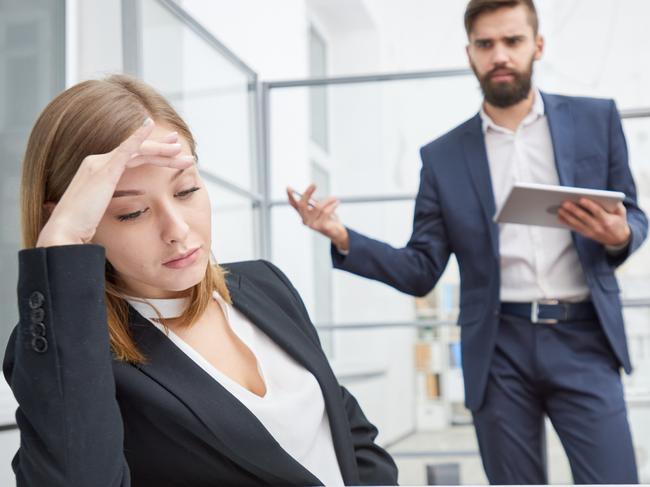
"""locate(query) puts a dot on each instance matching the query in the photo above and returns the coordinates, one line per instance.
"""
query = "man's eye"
(483, 44)
(186, 193)
(131, 216)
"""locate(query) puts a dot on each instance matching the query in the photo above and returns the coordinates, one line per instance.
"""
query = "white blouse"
(292, 410)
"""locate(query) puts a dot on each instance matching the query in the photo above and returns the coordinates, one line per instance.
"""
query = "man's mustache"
(500, 71)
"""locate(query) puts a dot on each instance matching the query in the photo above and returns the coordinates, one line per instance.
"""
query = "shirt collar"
(536, 111)
(155, 309)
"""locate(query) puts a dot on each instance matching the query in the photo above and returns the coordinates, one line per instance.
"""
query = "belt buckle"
(534, 312)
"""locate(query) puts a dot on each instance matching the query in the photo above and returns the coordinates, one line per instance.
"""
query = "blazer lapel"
(479, 170)
(269, 317)
(562, 130)
(238, 434)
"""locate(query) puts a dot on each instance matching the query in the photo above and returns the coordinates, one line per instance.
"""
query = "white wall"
(268, 36)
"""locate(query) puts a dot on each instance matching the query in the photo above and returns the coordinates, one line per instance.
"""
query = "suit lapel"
(269, 317)
(238, 434)
(562, 130)
(479, 170)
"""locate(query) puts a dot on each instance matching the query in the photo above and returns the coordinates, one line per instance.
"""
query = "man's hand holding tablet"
(596, 214)
(588, 218)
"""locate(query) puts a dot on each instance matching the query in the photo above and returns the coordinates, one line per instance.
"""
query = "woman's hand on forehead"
(76, 216)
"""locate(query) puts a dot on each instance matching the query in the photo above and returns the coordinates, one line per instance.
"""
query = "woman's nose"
(174, 227)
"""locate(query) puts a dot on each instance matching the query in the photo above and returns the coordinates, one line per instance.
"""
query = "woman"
(205, 375)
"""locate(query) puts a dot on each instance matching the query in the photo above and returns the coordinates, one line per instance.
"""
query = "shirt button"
(36, 300)
(39, 344)
(36, 315)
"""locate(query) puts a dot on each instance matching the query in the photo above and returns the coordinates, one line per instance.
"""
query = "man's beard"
(505, 95)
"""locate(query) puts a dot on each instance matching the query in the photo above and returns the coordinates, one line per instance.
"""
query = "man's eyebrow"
(507, 37)
(139, 192)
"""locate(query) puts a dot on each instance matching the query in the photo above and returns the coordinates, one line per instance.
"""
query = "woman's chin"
(185, 280)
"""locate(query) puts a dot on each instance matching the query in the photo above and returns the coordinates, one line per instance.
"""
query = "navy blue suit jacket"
(454, 210)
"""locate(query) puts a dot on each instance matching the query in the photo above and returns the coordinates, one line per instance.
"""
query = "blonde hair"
(94, 117)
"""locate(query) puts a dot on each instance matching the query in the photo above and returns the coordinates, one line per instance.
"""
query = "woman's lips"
(184, 260)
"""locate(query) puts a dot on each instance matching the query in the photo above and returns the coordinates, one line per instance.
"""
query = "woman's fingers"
(155, 148)
(178, 162)
(131, 146)
(170, 137)
(164, 152)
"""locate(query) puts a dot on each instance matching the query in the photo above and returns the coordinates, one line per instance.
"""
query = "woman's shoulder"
(268, 279)
(265, 276)
(259, 271)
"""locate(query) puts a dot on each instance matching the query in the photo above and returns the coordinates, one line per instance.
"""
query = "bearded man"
(542, 331)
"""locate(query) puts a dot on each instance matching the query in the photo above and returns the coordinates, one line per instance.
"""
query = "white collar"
(168, 308)
(536, 111)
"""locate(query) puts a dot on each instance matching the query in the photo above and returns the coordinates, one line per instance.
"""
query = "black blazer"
(87, 420)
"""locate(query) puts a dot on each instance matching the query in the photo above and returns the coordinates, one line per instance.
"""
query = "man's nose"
(500, 55)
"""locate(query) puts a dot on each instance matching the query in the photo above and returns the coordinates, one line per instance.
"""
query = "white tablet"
(537, 204)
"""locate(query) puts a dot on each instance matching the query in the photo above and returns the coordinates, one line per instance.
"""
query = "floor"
(457, 444)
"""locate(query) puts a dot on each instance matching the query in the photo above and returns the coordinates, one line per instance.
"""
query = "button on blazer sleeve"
(58, 364)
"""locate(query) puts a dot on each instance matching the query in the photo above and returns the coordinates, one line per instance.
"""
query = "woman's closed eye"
(135, 214)
(131, 216)
(186, 193)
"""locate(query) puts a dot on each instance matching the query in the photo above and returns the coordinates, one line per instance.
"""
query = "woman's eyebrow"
(127, 192)
(178, 173)
(139, 192)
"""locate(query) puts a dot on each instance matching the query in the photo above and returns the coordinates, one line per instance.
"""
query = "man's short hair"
(475, 8)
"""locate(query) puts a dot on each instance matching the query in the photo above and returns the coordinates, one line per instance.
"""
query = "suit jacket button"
(37, 329)
(36, 300)
(36, 315)
(39, 344)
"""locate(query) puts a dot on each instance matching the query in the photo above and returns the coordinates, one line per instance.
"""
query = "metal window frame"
(269, 203)
(132, 64)
(261, 92)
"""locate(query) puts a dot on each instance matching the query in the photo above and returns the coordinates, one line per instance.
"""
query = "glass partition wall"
(215, 93)
(356, 138)
(32, 71)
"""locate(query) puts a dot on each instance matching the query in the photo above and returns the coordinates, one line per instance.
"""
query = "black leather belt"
(551, 311)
